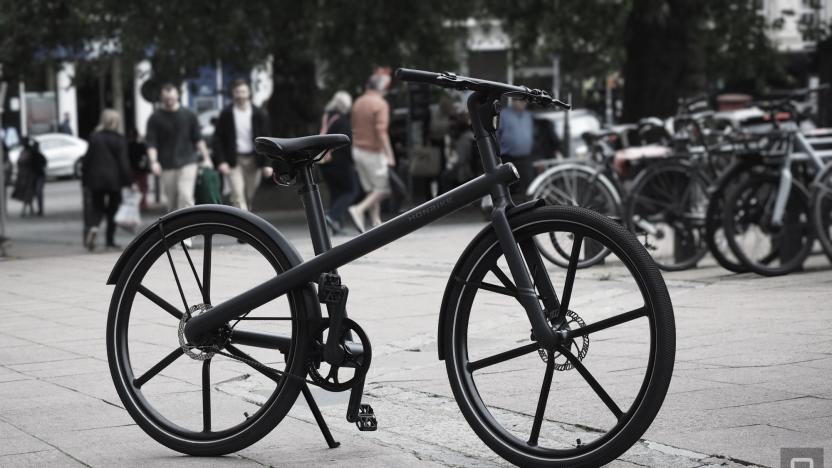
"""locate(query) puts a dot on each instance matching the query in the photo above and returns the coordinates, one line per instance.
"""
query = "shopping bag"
(128, 216)
(207, 188)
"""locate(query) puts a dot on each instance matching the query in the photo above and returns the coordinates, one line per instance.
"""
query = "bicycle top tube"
(453, 81)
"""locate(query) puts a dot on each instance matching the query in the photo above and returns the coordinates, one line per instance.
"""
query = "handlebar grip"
(407, 74)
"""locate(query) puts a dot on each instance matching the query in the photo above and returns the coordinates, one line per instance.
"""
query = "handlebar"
(453, 81)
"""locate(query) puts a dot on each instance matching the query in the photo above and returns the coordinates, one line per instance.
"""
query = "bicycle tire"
(714, 233)
(461, 292)
(741, 209)
(150, 418)
(597, 193)
(821, 206)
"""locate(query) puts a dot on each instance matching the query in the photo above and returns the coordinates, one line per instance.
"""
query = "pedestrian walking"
(31, 176)
(105, 171)
(371, 152)
(174, 148)
(516, 135)
(238, 125)
(139, 164)
(337, 166)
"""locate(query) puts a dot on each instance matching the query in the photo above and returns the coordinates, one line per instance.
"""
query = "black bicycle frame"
(494, 181)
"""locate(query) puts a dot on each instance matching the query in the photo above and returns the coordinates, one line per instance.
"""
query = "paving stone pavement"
(752, 374)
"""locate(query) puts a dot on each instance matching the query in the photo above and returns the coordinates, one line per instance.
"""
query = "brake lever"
(538, 96)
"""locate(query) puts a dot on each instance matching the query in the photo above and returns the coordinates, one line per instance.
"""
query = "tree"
(679, 48)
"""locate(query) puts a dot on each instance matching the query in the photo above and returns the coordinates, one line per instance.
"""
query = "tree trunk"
(664, 57)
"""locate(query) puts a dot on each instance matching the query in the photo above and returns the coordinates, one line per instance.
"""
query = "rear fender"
(292, 255)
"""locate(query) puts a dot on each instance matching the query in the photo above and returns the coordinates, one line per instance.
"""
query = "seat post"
(314, 208)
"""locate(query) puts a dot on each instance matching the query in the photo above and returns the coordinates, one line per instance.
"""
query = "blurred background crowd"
(170, 86)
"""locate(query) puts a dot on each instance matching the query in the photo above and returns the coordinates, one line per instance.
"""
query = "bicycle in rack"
(772, 216)
(664, 204)
(217, 372)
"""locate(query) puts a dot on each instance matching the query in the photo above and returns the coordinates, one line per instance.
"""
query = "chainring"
(360, 363)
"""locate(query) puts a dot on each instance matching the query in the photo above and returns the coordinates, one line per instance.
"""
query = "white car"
(63, 154)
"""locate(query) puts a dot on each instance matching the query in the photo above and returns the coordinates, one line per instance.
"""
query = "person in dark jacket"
(337, 166)
(31, 175)
(106, 170)
(238, 125)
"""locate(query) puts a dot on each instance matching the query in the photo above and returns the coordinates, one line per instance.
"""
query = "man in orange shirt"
(372, 152)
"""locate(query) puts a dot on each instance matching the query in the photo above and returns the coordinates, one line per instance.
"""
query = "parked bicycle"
(768, 217)
(664, 204)
(504, 328)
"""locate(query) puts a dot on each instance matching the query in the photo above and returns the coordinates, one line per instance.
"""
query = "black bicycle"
(217, 372)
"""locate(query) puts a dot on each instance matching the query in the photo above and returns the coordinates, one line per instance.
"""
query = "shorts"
(371, 167)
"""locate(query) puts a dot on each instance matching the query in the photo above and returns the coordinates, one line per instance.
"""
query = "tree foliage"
(667, 48)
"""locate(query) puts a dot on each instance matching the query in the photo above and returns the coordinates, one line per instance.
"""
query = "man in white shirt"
(238, 125)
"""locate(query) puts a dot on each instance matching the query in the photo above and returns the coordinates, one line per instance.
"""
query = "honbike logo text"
(430, 209)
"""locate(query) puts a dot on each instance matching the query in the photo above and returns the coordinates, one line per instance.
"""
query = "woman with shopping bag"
(105, 171)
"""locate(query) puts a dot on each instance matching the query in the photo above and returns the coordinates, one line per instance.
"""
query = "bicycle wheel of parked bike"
(666, 210)
(714, 234)
(575, 185)
(228, 391)
(588, 400)
(765, 248)
(822, 211)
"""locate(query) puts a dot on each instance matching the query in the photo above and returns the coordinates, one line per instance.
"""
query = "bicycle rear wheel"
(575, 185)
(225, 393)
(606, 392)
(666, 210)
(714, 233)
(765, 248)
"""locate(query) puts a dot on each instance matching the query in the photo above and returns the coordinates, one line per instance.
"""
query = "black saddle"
(298, 150)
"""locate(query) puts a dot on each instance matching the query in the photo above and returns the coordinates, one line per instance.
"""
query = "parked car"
(63, 154)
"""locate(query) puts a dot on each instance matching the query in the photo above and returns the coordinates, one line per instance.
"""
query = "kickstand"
(319, 418)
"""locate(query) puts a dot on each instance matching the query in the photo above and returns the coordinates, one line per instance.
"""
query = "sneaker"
(90, 240)
(113, 246)
(188, 243)
(356, 218)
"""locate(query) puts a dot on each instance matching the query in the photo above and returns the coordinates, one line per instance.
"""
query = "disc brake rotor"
(202, 352)
(580, 345)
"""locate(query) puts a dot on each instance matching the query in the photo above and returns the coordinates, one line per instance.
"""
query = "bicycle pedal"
(366, 418)
(330, 290)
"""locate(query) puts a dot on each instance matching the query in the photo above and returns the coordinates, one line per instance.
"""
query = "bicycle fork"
(523, 278)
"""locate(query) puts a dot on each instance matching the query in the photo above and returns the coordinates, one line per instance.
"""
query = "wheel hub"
(577, 346)
(210, 345)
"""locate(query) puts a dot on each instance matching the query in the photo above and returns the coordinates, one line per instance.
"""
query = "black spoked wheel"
(765, 247)
(666, 210)
(822, 212)
(587, 401)
(576, 186)
(228, 391)
(714, 234)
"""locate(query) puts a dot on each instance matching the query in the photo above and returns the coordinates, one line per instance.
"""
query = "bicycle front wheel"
(590, 399)
(228, 391)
